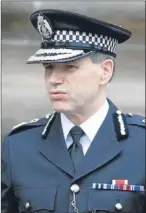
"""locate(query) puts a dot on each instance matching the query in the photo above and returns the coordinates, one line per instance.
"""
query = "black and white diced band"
(76, 36)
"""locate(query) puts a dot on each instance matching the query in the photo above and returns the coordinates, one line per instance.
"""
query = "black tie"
(76, 151)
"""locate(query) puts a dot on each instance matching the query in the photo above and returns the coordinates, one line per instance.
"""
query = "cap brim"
(57, 55)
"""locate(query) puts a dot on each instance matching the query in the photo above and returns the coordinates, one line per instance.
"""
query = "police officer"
(87, 156)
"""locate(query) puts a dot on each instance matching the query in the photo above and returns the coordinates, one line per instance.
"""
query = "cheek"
(87, 82)
(82, 86)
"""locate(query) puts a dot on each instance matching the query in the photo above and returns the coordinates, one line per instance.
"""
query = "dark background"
(23, 91)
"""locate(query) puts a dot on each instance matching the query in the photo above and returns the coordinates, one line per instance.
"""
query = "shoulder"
(136, 129)
(135, 120)
(26, 125)
(127, 125)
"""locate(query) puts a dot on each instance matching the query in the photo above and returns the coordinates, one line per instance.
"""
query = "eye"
(71, 66)
(49, 66)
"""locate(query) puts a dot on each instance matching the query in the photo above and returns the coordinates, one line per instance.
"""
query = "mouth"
(58, 95)
(58, 92)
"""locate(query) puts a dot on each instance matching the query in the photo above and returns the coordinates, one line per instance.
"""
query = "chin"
(61, 107)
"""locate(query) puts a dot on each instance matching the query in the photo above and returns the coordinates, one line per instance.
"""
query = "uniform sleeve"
(8, 200)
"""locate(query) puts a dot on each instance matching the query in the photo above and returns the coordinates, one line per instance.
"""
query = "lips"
(57, 95)
(58, 92)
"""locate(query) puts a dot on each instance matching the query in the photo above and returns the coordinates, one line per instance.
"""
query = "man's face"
(73, 85)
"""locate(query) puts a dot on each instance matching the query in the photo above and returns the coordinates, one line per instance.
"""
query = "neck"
(83, 114)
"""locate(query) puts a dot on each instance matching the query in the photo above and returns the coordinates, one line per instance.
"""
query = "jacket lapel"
(54, 148)
(103, 149)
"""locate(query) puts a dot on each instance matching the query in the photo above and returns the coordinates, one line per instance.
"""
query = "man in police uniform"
(87, 156)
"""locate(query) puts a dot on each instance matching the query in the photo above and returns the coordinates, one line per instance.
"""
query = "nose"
(56, 77)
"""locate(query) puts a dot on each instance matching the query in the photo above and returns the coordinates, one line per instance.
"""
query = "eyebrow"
(65, 63)
(47, 64)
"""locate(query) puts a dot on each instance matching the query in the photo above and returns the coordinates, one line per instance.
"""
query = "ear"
(107, 67)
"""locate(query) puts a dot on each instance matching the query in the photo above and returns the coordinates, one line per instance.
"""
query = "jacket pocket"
(111, 201)
(36, 198)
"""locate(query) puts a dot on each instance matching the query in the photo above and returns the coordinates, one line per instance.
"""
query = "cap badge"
(44, 27)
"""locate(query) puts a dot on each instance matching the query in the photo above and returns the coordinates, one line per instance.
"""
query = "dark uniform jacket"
(37, 173)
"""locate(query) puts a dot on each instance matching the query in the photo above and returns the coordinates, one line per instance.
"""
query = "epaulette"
(137, 120)
(28, 125)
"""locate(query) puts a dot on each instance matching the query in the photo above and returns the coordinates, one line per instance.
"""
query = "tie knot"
(76, 133)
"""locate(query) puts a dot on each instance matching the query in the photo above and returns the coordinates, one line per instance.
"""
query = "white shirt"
(90, 127)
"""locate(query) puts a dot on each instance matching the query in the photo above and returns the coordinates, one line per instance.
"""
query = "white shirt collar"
(90, 126)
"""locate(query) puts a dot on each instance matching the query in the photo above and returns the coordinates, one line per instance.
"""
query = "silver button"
(118, 112)
(118, 206)
(75, 188)
(130, 114)
(27, 205)
(34, 120)
(47, 116)
(143, 120)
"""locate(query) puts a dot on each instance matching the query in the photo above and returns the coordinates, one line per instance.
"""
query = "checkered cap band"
(76, 36)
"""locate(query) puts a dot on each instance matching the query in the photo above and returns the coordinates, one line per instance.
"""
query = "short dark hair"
(98, 57)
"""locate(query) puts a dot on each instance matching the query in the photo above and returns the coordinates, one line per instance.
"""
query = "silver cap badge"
(44, 27)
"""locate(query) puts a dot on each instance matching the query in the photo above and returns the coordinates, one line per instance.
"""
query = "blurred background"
(24, 96)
